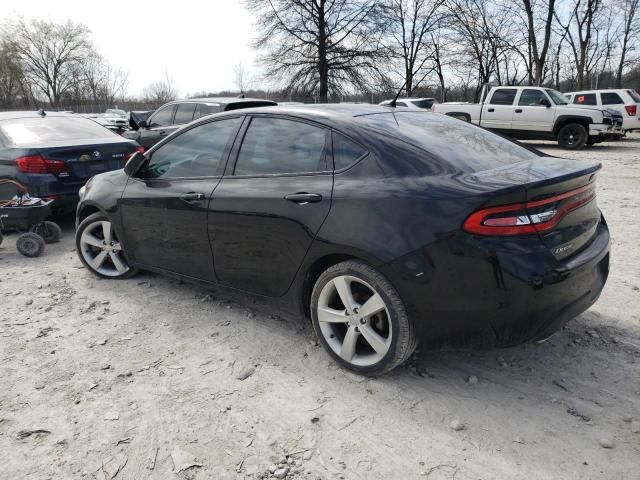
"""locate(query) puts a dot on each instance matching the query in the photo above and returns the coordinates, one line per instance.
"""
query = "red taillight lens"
(129, 155)
(38, 164)
(529, 217)
(631, 109)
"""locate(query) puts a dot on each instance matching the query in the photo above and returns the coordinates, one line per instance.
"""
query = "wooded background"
(354, 50)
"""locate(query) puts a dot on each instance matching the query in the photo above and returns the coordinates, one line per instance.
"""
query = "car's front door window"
(198, 152)
(162, 117)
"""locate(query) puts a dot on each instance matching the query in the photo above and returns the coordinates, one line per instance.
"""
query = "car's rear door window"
(503, 96)
(163, 117)
(611, 98)
(184, 113)
(345, 151)
(531, 97)
(634, 95)
(280, 146)
(198, 152)
(585, 99)
(31, 132)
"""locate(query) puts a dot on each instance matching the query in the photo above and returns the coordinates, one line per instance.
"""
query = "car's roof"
(33, 114)
(335, 111)
(410, 99)
(600, 90)
(221, 100)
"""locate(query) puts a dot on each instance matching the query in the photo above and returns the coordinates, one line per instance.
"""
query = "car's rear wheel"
(99, 248)
(360, 319)
(572, 136)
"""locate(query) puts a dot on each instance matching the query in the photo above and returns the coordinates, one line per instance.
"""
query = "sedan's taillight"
(529, 217)
(631, 110)
(127, 157)
(38, 164)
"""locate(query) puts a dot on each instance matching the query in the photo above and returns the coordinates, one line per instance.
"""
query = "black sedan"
(54, 154)
(385, 227)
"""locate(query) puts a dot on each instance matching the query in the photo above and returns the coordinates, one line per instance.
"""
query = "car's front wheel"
(99, 248)
(573, 136)
(360, 319)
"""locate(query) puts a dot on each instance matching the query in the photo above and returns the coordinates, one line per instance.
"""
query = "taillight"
(631, 110)
(38, 164)
(529, 217)
(127, 157)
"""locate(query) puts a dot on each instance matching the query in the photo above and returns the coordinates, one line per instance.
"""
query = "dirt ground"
(143, 378)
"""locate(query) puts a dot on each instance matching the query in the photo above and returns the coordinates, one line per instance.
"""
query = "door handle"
(302, 198)
(518, 110)
(491, 110)
(192, 196)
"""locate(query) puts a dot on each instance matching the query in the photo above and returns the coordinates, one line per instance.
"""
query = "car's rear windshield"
(450, 142)
(634, 95)
(424, 103)
(31, 132)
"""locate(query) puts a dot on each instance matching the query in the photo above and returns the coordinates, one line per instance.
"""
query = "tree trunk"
(323, 67)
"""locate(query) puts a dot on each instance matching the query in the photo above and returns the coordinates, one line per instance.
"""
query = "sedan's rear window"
(450, 142)
(29, 132)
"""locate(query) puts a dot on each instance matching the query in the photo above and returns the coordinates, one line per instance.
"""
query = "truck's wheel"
(572, 136)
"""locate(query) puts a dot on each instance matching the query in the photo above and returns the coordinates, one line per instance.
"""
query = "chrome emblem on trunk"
(95, 154)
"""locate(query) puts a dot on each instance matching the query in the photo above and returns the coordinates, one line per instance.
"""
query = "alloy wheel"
(101, 249)
(354, 320)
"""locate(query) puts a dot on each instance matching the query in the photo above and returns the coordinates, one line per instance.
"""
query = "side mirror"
(135, 164)
(545, 102)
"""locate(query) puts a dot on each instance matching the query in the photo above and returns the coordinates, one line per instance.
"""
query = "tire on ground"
(30, 244)
(50, 231)
(573, 136)
(98, 216)
(404, 339)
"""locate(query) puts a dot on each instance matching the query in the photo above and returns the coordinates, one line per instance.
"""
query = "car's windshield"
(557, 97)
(29, 132)
(447, 141)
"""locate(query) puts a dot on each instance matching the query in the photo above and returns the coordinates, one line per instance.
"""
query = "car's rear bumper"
(64, 194)
(468, 294)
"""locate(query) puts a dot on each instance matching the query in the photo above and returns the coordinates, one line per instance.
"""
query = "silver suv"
(624, 100)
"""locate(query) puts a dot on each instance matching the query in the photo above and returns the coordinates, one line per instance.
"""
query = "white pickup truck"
(537, 113)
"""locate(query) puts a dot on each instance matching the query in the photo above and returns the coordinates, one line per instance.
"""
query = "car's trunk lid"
(86, 160)
(557, 196)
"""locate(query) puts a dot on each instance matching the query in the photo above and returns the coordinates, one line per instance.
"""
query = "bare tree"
(241, 78)
(410, 23)
(12, 79)
(628, 39)
(539, 47)
(319, 45)
(579, 29)
(51, 54)
(159, 92)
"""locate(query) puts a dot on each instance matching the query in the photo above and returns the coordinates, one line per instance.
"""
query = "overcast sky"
(197, 42)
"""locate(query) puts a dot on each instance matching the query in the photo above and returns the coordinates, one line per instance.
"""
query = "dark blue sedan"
(54, 154)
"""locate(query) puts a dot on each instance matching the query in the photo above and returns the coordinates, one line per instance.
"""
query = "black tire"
(573, 136)
(110, 273)
(401, 338)
(50, 231)
(30, 244)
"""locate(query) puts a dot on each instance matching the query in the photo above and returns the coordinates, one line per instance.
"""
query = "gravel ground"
(153, 378)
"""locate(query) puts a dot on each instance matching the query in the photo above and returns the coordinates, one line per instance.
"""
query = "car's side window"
(585, 99)
(198, 152)
(345, 151)
(163, 117)
(611, 98)
(278, 146)
(531, 98)
(184, 113)
(503, 96)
